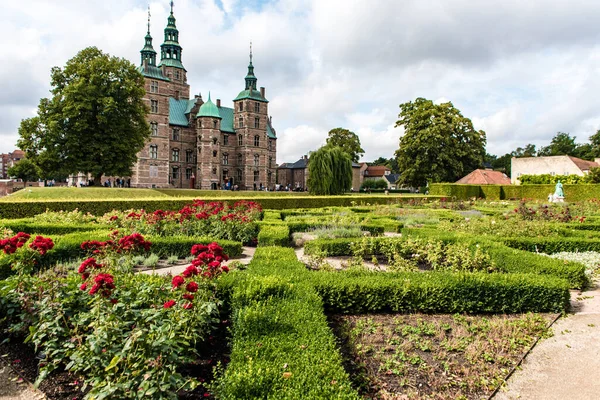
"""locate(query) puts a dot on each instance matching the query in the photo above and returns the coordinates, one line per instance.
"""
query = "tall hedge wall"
(16, 209)
(506, 192)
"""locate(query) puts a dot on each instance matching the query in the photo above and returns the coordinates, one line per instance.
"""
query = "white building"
(552, 165)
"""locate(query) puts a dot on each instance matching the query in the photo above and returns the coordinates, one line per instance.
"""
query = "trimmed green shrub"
(349, 292)
(282, 346)
(459, 191)
(553, 245)
(274, 235)
(507, 192)
(32, 227)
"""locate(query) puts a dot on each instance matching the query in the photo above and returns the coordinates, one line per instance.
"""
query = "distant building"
(295, 175)
(485, 177)
(392, 181)
(552, 165)
(8, 160)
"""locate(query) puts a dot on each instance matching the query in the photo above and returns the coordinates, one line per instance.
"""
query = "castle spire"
(250, 78)
(148, 53)
(170, 50)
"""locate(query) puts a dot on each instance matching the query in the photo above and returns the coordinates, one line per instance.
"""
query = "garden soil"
(12, 387)
(567, 365)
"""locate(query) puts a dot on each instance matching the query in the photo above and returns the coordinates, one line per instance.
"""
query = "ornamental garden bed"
(73, 293)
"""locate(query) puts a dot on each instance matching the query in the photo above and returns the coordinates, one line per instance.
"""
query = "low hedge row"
(32, 227)
(68, 247)
(282, 347)
(438, 292)
(553, 245)
(22, 209)
(373, 229)
(503, 192)
(274, 235)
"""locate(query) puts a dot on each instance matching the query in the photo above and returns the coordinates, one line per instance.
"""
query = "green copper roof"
(170, 62)
(190, 105)
(270, 132)
(153, 72)
(177, 112)
(208, 109)
(226, 119)
(250, 94)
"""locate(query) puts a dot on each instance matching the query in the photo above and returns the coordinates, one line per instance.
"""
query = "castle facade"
(196, 143)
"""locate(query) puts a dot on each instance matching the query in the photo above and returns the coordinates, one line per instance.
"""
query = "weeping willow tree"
(329, 171)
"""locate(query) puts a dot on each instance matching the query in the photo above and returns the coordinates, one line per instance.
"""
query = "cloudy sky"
(521, 70)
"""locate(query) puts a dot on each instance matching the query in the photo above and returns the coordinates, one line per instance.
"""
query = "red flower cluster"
(102, 283)
(206, 264)
(41, 245)
(134, 242)
(95, 246)
(10, 245)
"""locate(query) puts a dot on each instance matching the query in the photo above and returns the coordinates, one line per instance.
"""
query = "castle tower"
(208, 122)
(251, 124)
(170, 60)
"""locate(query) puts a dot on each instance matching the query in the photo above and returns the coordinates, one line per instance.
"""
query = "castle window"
(175, 133)
(225, 159)
(214, 171)
(256, 176)
(257, 140)
(189, 156)
(225, 140)
(154, 87)
(241, 106)
(214, 153)
(240, 122)
(239, 175)
(270, 145)
(240, 140)
(270, 177)
(257, 107)
(270, 162)
(175, 155)
(225, 175)
(214, 140)
(257, 123)
(256, 160)
(153, 171)
(177, 94)
(240, 159)
(154, 106)
(154, 151)
(188, 174)
(215, 124)
(175, 173)
(177, 76)
(154, 129)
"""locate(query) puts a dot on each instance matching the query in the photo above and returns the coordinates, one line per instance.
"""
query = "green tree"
(527, 151)
(561, 144)
(593, 176)
(95, 121)
(503, 163)
(347, 140)
(391, 163)
(24, 170)
(439, 144)
(329, 171)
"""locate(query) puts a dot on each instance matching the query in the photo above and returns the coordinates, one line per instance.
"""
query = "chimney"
(262, 92)
(218, 102)
(305, 157)
(271, 120)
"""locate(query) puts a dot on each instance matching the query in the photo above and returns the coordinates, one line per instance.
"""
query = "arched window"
(215, 140)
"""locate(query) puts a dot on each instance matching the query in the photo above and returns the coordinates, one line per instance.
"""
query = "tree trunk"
(98, 180)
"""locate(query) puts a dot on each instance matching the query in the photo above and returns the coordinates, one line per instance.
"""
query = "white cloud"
(520, 70)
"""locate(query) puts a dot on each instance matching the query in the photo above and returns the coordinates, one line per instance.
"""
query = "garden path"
(567, 365)
(14, 388)
(247, 255)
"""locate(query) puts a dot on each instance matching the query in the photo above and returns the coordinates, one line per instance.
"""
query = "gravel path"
(567, 365)
(13, 388)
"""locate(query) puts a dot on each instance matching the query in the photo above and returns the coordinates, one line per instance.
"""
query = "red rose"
(192, 287)
(198, 248)
(188, 306)
(169, 304)
(177, 281)
(188, 296)
(190, 271)
(83, 286)
(225, 268)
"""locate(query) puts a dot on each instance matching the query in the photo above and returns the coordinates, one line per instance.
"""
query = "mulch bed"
(420, 356)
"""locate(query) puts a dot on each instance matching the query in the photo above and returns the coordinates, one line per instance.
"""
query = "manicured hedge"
(539, 192)
(32, 227)
(14, 209)
(282, 347)
(274, 235)
(373, 229)
(438, 292)
(553, 245)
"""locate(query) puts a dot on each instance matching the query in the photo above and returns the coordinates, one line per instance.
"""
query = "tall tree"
(527, 151)
(561, 144)
(347, 140)
(329, 171)
(95, 121)
(24, 170)
(439, 143)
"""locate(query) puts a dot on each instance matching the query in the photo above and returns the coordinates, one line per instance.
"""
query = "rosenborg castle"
(196, 142)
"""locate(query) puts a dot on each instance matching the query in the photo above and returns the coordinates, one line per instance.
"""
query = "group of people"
(119, 183)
